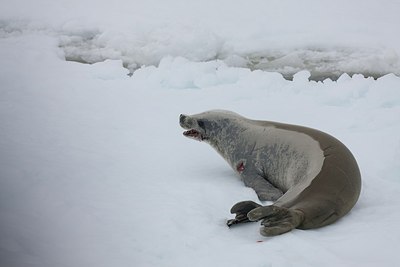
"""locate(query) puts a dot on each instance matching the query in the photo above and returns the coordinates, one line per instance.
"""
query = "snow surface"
(94, 170)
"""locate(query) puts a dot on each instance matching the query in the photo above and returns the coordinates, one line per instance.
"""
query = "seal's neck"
(228, 141)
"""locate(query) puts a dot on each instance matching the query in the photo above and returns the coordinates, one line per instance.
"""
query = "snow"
(94, 170)
(328, 39)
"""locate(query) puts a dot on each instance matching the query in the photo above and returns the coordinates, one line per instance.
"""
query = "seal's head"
(195, 127)
(208, 126)
(221, 129)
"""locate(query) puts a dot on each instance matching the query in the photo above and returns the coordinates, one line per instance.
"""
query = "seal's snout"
(182, 119)
(185, 121)
(188, 123)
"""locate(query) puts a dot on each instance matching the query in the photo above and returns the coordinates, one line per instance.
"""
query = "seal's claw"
(240, 218)
(241, 209)
(232, 222)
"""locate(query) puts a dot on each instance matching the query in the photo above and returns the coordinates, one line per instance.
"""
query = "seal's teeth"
(193, 134)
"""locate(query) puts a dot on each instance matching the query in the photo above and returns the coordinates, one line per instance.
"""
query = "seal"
(311, 176)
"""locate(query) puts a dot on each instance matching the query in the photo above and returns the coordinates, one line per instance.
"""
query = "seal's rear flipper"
(241, 209)
(276, 220)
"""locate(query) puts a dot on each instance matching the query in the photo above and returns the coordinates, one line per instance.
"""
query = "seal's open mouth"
(194, 134)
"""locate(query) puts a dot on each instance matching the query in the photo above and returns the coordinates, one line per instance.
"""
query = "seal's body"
(312, 177)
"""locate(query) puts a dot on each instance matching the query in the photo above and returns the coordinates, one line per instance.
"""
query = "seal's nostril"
(182, 118)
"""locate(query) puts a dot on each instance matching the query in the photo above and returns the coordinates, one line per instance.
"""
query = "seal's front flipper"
(241, 209)
(264, 189)
(276, 220)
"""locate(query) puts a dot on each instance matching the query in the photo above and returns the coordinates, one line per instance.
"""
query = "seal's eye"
(201, 124)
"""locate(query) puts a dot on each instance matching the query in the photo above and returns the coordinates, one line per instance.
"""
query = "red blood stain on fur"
(240, 167)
